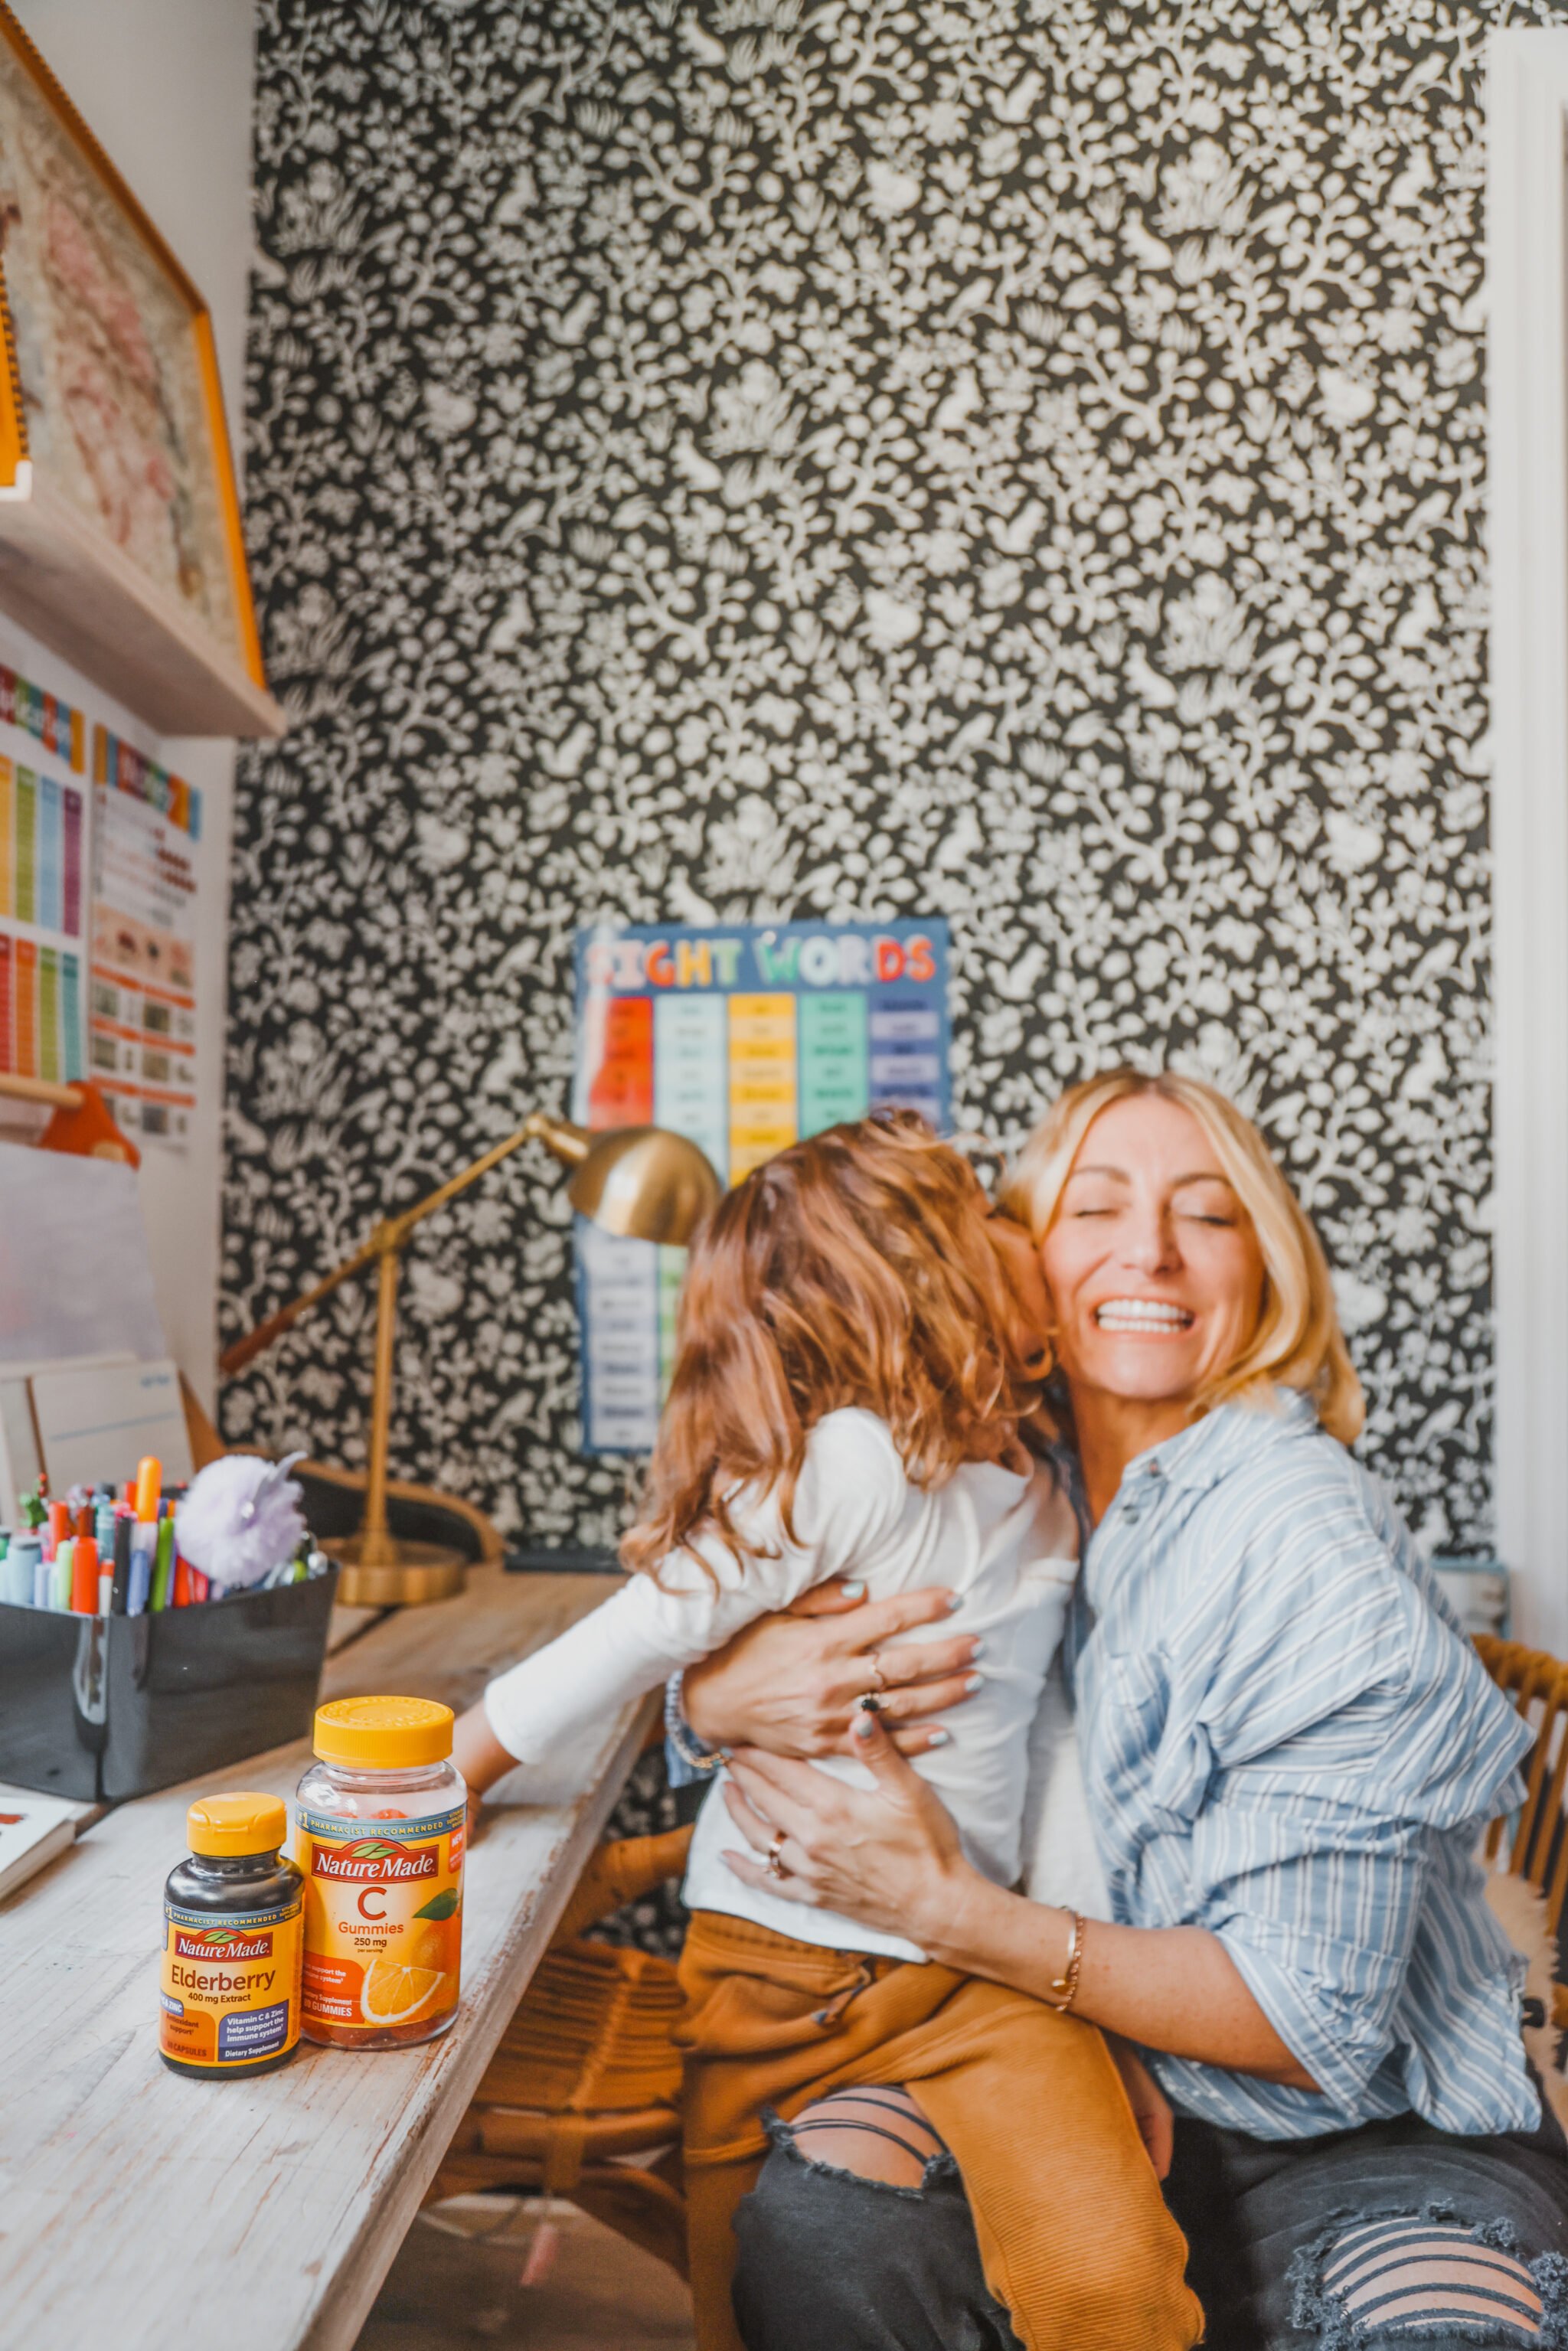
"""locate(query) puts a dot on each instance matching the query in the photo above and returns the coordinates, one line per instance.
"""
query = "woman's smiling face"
(1153, 1268)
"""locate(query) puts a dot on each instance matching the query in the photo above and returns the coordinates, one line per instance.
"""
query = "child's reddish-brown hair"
(852, 1269)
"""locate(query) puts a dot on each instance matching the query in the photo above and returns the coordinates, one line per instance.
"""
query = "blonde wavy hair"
(852, 1269)
(1298, 1342)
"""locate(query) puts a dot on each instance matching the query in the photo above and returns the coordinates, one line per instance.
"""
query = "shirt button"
(1130, 1516)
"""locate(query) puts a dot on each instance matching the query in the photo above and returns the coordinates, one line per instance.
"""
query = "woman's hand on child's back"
(888, 1856)
(790, 1683)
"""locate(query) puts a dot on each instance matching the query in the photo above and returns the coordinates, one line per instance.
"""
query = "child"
(851, 1378)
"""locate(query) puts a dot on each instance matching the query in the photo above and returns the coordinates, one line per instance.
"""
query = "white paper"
(97, 1422)
(75, 1275)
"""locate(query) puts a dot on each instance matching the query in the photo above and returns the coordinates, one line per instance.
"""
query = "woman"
(1288, 1748)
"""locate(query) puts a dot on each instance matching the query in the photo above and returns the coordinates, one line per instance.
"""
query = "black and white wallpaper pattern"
(727, 458)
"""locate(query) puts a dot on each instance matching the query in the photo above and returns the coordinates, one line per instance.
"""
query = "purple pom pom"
(241, 1518)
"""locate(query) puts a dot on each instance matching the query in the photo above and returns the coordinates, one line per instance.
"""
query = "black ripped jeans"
(828, 2261)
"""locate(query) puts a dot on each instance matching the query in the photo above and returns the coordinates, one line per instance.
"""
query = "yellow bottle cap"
(383, 1734)
(228, 1826)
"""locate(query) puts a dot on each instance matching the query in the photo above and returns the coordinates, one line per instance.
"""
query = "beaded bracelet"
(693, 1752)
(1066, 1983)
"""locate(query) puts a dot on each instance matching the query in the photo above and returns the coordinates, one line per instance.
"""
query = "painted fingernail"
(974, 1682)
(977, 1649)
(939, 1739)
(863, 1726)
(853, 1591)
(954, 1602)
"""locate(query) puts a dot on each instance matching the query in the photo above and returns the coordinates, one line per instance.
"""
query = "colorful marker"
(119, 1596)
(163, 1571)
(18, 1569)
(144, 1533)
(84, 1576)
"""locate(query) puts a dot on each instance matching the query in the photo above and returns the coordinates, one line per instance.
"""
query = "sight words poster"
(744, 1038)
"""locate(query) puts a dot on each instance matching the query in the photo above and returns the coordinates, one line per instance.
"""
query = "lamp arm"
(392, 1231)
(244, 1351)
(538, 1126)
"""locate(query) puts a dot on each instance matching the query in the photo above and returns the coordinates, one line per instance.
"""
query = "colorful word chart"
(49, 721)
(123, 768)
(143, 1010)
(43, 856)
(745, 1040)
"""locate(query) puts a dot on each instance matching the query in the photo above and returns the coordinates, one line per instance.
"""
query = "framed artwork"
(120, 525)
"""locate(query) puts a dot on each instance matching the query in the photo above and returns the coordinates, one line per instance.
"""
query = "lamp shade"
(644, 1183)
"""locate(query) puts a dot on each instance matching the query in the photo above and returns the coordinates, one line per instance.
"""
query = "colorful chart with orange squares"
(745, 1038)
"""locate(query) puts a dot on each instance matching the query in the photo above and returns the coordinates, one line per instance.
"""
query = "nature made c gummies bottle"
(232, 1942)
(380, 1821)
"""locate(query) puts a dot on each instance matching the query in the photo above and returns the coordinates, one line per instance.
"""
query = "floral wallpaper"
(729, 459)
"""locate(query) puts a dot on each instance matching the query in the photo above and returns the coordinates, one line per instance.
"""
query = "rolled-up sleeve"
(1318, 1911)
(1289, 1746)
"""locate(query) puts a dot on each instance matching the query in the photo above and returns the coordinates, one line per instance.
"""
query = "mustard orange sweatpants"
(1073, 2233)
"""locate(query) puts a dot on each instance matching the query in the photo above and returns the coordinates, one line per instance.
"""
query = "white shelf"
(90, 605)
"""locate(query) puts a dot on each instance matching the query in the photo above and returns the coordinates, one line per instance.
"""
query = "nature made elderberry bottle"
(231, 1942)
(379, 1833)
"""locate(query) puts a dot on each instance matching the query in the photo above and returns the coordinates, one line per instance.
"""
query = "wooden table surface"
(139, 2208)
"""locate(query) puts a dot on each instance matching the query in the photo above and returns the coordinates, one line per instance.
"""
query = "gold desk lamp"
(641, 1181)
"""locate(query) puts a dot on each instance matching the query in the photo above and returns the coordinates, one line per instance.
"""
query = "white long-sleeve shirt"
(1006, 1541)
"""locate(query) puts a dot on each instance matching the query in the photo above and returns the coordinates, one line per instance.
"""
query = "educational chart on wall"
(743, 1039)
(146, 825)
(43, 881)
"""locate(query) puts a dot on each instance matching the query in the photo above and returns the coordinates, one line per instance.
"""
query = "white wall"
(165, 86)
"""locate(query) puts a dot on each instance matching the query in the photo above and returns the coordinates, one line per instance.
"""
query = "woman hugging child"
(853, 1373)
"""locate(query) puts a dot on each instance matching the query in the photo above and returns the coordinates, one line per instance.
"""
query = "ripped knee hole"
(879, 2134)
(1400, 2279)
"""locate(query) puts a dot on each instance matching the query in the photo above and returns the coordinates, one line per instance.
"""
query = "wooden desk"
(142, 2208)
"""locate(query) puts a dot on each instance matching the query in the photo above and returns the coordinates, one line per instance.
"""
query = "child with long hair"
(851, 1378)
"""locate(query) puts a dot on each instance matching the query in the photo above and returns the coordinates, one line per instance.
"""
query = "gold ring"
(876, 1668)
(774, 1864)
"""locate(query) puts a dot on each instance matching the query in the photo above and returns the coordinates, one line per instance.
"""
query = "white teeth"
(1141, 1314)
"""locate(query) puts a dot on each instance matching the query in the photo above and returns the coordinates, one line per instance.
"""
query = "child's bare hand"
(1150, 2107)
(479, 1755)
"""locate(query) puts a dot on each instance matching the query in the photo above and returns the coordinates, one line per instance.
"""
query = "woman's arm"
(790, 1683)
(890, 1858)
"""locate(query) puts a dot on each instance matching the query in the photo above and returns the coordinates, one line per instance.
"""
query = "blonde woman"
(1288, 1746)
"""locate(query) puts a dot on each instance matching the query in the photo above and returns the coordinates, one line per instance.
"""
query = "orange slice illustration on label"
(396, 1995)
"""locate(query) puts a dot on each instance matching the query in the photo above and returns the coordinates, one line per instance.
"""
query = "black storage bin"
(105, 1708)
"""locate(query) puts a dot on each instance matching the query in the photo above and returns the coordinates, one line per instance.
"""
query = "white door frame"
(1527, 276)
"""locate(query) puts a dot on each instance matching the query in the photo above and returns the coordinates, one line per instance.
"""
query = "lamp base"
(380, 1572)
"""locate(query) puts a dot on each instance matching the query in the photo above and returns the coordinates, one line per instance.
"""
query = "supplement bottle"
(232, 1942)
(380, 1821)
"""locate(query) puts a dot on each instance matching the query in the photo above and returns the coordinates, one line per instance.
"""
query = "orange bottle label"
(383, 1921)
(231, 1986)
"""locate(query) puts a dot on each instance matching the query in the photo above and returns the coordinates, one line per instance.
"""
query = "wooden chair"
(1538, 1847)
(583, 2097)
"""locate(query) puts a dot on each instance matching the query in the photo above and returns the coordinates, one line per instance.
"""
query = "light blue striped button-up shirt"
(1288, 1741)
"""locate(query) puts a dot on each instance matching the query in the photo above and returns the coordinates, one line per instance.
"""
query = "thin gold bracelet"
(1063, 1992)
